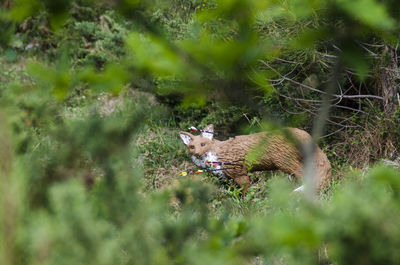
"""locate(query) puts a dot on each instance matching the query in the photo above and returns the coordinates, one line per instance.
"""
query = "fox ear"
(208, 131)
(186, 137)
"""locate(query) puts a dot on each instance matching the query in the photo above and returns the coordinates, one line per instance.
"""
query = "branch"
(333, 95)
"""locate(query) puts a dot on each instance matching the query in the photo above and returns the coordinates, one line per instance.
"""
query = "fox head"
(198, 145)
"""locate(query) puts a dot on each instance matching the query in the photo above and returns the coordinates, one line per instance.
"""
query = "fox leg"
(295, 169)
(244, 182)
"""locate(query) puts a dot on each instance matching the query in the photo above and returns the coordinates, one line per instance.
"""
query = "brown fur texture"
(242, 154)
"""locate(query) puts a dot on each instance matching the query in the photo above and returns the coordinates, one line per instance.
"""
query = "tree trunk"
(388, 78)
(388, 75)
(6, 4)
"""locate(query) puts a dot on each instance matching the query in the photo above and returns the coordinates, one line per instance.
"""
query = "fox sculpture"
(232, 158)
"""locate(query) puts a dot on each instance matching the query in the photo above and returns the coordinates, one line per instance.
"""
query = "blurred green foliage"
(80, 86)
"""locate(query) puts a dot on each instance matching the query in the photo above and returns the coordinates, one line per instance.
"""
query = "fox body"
(232, 158)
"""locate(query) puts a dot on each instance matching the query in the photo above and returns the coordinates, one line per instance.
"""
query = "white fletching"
(301, 188)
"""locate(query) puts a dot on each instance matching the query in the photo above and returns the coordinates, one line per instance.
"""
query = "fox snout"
(192, 151)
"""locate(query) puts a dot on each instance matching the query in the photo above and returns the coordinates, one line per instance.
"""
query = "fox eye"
(191, 147)
(203, 144)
